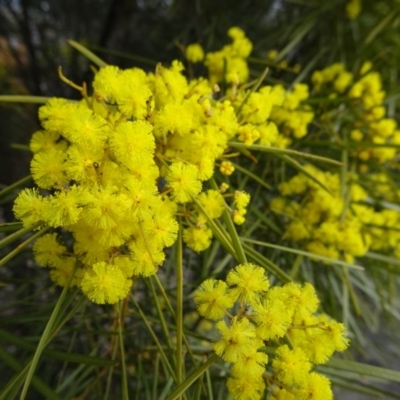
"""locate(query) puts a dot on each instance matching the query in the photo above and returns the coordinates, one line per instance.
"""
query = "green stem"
(46, 334)
(154, 336)
(276, 150)
(160, 314)
(16, 235)
(14, 226)
(125, 394)
(193, 377)
(87, 53)
(24, 99)
(20, 247)
(179, 306)
(218, 231)
(168, 303)
(110, 374)
(37, 383)
(15, 185)
(237, 245)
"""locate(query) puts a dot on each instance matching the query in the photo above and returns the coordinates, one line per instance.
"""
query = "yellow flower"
(272, 318)
(106, 82)
(315, 386)
(238, 339)
(47, 250)
(250, 365)
(291, 366)
(243, 388)
(248, 282)
(105, 283)
(241, 199)
(48, 169)
(64, 208)
(213, 299)
(133, 143)
(29, 207)
(213, 203)
(147, 256)
(353, 9)
(197, 238)
(194, 53)
(43, 141)
(184, 182)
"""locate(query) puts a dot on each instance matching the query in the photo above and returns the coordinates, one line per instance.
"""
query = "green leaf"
(10, 226)
(16, 235)
(364, 369)
(58, 355)
(304, 253)
(46, 335)
(87, 53)
(37, 383)
(21, 246)
(196, 374)
(155, 338)
(122, 54)
(21, 182)
(362, 388)
(179, 306)
(251, 175)
(218, 231)
(241, 257)
(279, 151)
(380, 27)
(24, 99)
(383, 258)
(297, 37)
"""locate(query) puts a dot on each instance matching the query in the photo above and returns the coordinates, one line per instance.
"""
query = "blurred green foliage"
(33, 38)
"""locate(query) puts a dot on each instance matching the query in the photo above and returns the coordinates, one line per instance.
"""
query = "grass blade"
(289, 152)
(251, 175)
(24, 99)
(304, 253)
(179, 306)
(15, 185)
(364, 369)
(87, 53)
(45, 336)
(20, 247)
(193, 377)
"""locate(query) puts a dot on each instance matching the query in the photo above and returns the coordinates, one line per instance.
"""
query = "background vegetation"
(83, 356)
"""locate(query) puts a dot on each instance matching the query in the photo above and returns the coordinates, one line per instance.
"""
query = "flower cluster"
(251, 315)
(292, 116)
(229, 64)
(324, 222)
(353, 9)
(374, 136)
(384, 222)
(327, 224)
(272, 57)
(118, 168)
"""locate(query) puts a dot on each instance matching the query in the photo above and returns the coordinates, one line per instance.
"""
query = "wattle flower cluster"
(363, 94)
(284, 64)
(292, 117)
(251, 315)
(383, 225)
(118, 168)
(325, 223)
(229, 64)
(353, 9)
